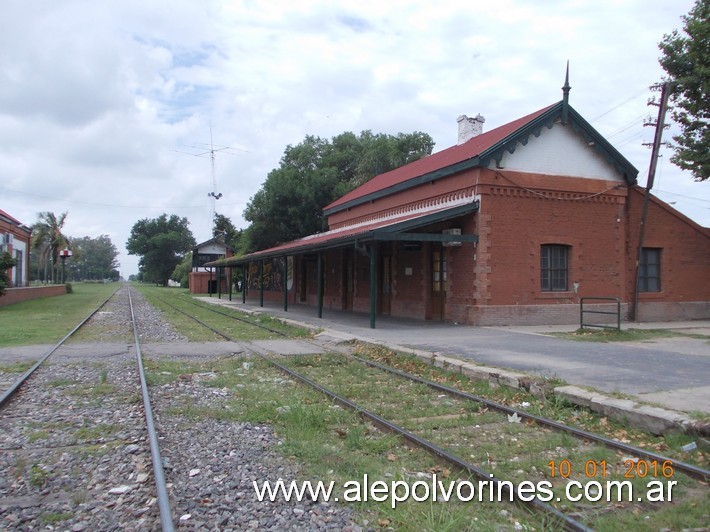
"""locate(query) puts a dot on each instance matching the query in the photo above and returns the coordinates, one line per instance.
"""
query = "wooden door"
(438, 283)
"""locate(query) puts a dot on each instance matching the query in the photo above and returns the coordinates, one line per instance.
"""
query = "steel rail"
(514, 494)
(25, 376)
(678, 465)
(691, 470)
(166, 519)
(568, 522)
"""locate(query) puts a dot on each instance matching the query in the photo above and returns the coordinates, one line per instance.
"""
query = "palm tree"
(48, 239)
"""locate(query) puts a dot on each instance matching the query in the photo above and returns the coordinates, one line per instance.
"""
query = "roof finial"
(565, 96)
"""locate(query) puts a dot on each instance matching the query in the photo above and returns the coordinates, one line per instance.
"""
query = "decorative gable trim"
(579, 125)
(547, 118)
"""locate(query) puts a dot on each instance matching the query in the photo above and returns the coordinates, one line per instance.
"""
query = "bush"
(6, 262)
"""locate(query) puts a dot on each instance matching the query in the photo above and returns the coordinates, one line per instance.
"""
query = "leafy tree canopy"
(161, 243)
(686, 59)
(48, 240)
(93, 259)
(317, 171)
(225, 230)
(181, 273)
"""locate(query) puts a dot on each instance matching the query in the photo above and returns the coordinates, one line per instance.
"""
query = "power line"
(619, 105)
(689, 198)
(95, 204)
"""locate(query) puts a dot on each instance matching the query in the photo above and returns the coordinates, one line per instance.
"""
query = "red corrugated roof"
(455, 154)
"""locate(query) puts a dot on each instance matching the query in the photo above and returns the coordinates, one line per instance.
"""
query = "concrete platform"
(667, 374)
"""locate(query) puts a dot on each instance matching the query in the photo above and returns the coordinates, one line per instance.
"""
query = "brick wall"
(685, 252)
(16, 295)
(498, 280)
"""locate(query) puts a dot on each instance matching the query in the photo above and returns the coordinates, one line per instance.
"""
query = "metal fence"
(584, 311)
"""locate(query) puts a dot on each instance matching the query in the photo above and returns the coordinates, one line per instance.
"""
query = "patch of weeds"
(37, 435)
(683, 515)
(614, 335)
(133, 398)
(102, 389)
(17, 367)
(95, 432)
(699, 416)
(80, 497)
(38, 476)
(50, 518)
(97, 449)
(20, 466)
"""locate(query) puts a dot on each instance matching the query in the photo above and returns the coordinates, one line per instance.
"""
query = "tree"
(6, 262)
(225, 230)
(161, 243)
(181, 273)
(48, 240)
(94, 259)
(686, 60)
(314, 173)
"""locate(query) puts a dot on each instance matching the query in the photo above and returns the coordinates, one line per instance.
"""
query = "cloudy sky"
(108, 109)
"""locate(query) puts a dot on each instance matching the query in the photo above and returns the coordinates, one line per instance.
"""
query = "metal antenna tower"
(210, 150)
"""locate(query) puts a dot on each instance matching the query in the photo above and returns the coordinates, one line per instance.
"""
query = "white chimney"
(469, 127)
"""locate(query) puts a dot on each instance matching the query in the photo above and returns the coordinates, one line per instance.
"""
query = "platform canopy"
(399, 227)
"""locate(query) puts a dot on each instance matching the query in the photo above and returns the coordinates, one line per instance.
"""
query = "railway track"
(53, 459)
(504, 447)
(62, 419)
(75, 452)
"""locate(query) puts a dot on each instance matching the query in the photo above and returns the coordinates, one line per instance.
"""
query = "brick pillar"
(482, 269)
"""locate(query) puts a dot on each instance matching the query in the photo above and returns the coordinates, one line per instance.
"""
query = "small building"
(510, 226)
(15, 239)
(205, 279)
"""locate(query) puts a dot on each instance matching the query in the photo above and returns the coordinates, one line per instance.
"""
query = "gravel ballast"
(74, 453)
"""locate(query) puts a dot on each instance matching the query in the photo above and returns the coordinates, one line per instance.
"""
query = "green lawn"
(48, 320)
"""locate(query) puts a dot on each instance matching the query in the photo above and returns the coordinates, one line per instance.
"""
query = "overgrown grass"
(548, 405)
(48, 320)
(17, 367)
(625, 335)
(50, 518)
(235, 324)
(331, 443)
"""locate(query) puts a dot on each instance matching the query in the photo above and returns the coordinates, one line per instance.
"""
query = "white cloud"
(98, 99)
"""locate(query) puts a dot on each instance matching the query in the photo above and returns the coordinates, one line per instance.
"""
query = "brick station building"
(206, 280)
(16, 239)
(510, 226)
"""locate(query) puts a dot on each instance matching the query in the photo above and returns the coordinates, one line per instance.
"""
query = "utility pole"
(660, 126)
